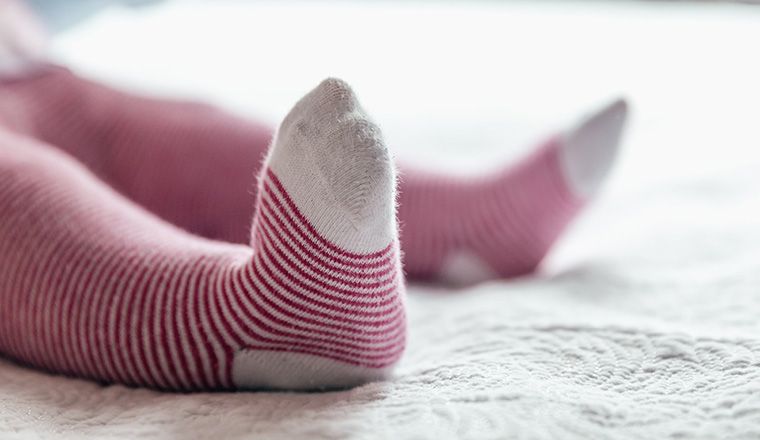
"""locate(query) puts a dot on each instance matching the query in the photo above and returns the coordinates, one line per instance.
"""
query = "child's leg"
(191, 164)
(177, 158)
(502, 225)
(91, 285)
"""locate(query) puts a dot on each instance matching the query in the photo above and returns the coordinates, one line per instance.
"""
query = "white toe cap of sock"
(589, 150)
(332, 160)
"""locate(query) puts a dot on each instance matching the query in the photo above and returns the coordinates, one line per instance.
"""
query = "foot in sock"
(91, 285)
(191, 165)
(464, 230)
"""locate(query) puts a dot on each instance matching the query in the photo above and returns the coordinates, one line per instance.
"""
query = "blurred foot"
(588, 151)
(462, 231)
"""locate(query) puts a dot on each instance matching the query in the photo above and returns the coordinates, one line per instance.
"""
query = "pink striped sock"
(505, 223)
(192, 164)
(93, 286)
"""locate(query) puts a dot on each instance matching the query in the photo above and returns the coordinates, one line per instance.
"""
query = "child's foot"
(95, 287)
(468, 230)
(327, 249)
(588, 151)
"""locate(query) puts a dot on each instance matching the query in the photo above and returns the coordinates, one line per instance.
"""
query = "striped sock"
(93, 286)
(464, 230)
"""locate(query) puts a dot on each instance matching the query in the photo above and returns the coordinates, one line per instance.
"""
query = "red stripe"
(277, 212)
(137, 327)
(206, 334)
(315, 260)
(109, 351)
(326, 243)
(347, 330)
(55, 278)
(259, 269)
(171, 322)
(194, 358)
(370, 289)
(211, 301)
(120, 333)
(308, 233)
(327, 343)
(84, 314)
(328, 292)
(40, 295)
(160, 346)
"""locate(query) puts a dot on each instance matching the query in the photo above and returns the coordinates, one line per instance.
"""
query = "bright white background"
(469, 85)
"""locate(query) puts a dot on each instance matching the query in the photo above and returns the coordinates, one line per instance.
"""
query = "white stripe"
(15, 266)
(151, 301)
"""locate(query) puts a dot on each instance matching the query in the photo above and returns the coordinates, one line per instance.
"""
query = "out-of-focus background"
(644, 323)
(456, 85)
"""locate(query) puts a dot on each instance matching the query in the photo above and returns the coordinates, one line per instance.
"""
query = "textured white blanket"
(643, 324)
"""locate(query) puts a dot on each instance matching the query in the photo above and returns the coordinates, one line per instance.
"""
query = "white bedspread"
(644, 323)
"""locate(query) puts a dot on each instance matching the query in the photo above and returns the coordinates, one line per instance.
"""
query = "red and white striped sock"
(91, 285)
(464, 230)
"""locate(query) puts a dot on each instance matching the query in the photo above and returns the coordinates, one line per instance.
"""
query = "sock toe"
(589, 150)
(334, 94)
(332, 158)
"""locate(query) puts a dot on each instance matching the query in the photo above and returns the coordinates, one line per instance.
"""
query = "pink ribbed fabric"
(189, 163)
(92, 285)
(507, 221)
(192, 165)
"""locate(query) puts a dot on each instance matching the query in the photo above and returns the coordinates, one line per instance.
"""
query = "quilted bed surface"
(645, 321)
